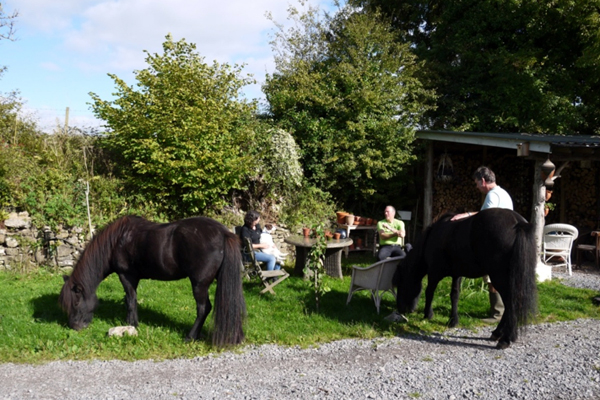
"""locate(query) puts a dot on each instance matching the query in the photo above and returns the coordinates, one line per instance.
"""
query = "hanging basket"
(547, 169)
(445, 171)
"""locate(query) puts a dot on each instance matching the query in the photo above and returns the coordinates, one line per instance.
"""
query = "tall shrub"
(183, 135)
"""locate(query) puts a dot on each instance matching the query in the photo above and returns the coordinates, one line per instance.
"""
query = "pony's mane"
(96, 256)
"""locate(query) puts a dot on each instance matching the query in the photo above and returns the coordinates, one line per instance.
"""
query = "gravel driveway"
(552, 361)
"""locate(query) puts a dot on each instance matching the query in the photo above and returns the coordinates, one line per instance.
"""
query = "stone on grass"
(121, 330)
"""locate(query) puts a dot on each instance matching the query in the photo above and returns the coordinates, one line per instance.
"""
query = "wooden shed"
(516, 159)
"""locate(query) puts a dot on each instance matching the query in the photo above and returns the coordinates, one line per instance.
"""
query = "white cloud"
(227, 31)
(83, 40)
(115, 33)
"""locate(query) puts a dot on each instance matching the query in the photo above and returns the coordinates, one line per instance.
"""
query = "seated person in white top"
(266, 237)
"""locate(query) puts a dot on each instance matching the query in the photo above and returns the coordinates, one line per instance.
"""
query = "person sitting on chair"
(266, 237)
(391, 235)
(251, 229)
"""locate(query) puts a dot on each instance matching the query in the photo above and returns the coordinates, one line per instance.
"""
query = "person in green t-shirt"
(391, 235)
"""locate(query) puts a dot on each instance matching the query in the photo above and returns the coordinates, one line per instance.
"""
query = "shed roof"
(562, 147)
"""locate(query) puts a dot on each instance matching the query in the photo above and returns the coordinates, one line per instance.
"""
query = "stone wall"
(24, 247)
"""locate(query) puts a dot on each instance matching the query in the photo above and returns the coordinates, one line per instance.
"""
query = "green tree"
(346, 88)
(183, 137)
(507, 65)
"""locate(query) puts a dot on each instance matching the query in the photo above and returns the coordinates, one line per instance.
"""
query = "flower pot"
(349, 219)
(337, 235)
(306, 232)
(341, 217)
(358, 220)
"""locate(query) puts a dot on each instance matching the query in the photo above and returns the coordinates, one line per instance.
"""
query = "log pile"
(574, 195)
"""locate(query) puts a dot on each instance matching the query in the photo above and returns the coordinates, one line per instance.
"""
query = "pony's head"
(78, 302)
(409, 289)
(78, 294)
(409, 275)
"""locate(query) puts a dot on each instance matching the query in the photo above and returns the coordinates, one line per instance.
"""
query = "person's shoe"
(491, 320)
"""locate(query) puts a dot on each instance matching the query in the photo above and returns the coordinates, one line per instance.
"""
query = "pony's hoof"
(502, 345)
(495, 337)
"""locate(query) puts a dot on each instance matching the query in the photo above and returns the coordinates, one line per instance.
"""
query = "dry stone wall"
(24, 247)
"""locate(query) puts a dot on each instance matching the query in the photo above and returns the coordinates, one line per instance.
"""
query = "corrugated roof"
(537, 143)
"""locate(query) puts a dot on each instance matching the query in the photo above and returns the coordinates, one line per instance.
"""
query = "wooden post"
(538, 203)
(66, 120)
(428, 195)
(15, 138)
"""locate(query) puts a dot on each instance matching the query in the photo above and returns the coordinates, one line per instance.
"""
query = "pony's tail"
(230, 306)
(522, 276)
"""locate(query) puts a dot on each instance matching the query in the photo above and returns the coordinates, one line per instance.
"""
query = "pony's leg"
(431, 286)
(130, 285)
(454, 295)
(507, 330)
(203, 308)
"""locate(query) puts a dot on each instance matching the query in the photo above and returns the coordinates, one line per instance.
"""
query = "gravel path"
(552, 361)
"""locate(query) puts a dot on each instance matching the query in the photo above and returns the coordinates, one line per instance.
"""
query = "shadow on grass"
(47, 310)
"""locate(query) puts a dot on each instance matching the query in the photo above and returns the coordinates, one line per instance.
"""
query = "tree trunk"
(537, 209)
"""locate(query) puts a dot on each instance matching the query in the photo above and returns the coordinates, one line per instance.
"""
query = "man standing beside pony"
(495, 197)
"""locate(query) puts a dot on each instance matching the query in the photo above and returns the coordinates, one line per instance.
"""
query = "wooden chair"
(270, 279)
(590, 247)
(557, 243)
(376, 278)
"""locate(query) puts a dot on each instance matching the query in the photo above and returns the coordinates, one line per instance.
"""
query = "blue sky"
(66, 48)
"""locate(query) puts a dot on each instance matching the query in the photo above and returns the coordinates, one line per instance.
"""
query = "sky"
(64, 49)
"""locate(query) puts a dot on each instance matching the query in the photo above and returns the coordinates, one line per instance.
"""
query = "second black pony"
(200, 249)
(495, 242)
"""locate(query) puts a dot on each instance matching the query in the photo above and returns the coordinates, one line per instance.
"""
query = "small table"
(333, 253)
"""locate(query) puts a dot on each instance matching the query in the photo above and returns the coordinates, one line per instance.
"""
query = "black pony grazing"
(200, 249)
(495, 242)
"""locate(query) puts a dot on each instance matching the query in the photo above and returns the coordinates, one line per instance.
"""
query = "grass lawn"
(33, 327)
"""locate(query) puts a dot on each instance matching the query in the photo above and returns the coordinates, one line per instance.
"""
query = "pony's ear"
(65, 278)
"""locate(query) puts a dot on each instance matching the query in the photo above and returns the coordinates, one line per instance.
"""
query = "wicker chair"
(376, 278)
(557, 243)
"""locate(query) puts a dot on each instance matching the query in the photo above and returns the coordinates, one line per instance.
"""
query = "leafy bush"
(310, 206)
(182, 138)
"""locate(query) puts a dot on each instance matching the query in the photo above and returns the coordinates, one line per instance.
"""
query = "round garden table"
(333, 253)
